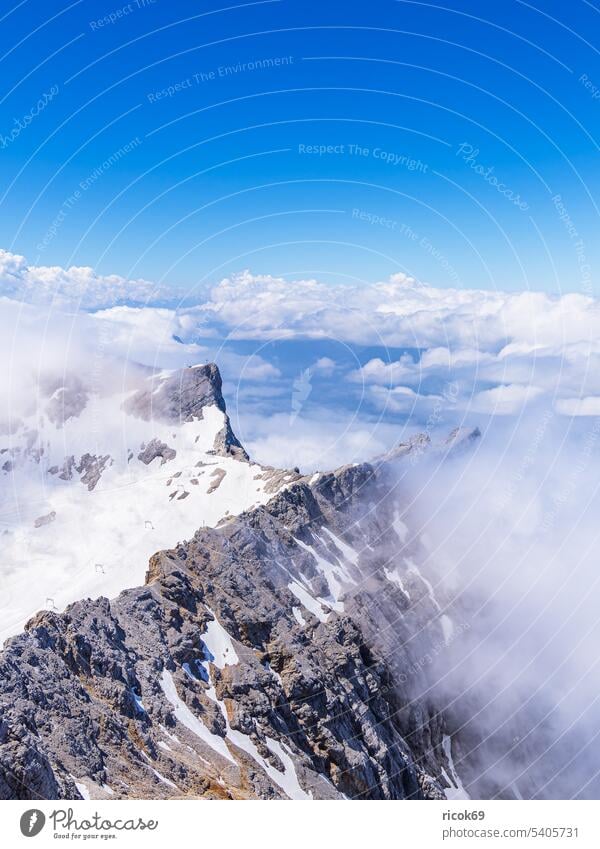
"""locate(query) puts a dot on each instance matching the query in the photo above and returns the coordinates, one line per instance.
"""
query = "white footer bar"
(298, 825)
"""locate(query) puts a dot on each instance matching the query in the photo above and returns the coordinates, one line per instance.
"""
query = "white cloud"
(304, 442)
(500, 352)
(400, 312)
(324, 365)
(589, 406)
(403, 399)
(504, 400)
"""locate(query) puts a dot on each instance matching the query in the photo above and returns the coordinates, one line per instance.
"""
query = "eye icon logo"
(32, 822)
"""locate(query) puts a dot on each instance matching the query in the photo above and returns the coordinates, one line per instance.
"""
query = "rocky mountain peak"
(181, 396)
(461, 439)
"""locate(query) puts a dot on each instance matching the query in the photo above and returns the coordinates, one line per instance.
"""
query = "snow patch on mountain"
(184, 715)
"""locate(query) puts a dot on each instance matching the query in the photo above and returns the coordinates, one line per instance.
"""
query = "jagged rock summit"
(181, 396)
(124, 469)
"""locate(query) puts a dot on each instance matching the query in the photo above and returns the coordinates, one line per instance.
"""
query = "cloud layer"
(374, 360)
(76, 286)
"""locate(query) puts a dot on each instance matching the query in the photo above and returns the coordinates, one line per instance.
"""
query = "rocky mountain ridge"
(302, 647)
(238, 671)
(250, 665)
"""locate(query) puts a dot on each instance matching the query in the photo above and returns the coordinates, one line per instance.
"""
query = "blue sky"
(441, 136)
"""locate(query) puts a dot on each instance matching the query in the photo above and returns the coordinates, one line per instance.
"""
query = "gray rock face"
(44, 520)
(84, 697)
(226, 442)
(216, 478)
(66, 472)
(66, 401)
(179, 397)
(90, 468)
(155, 448)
